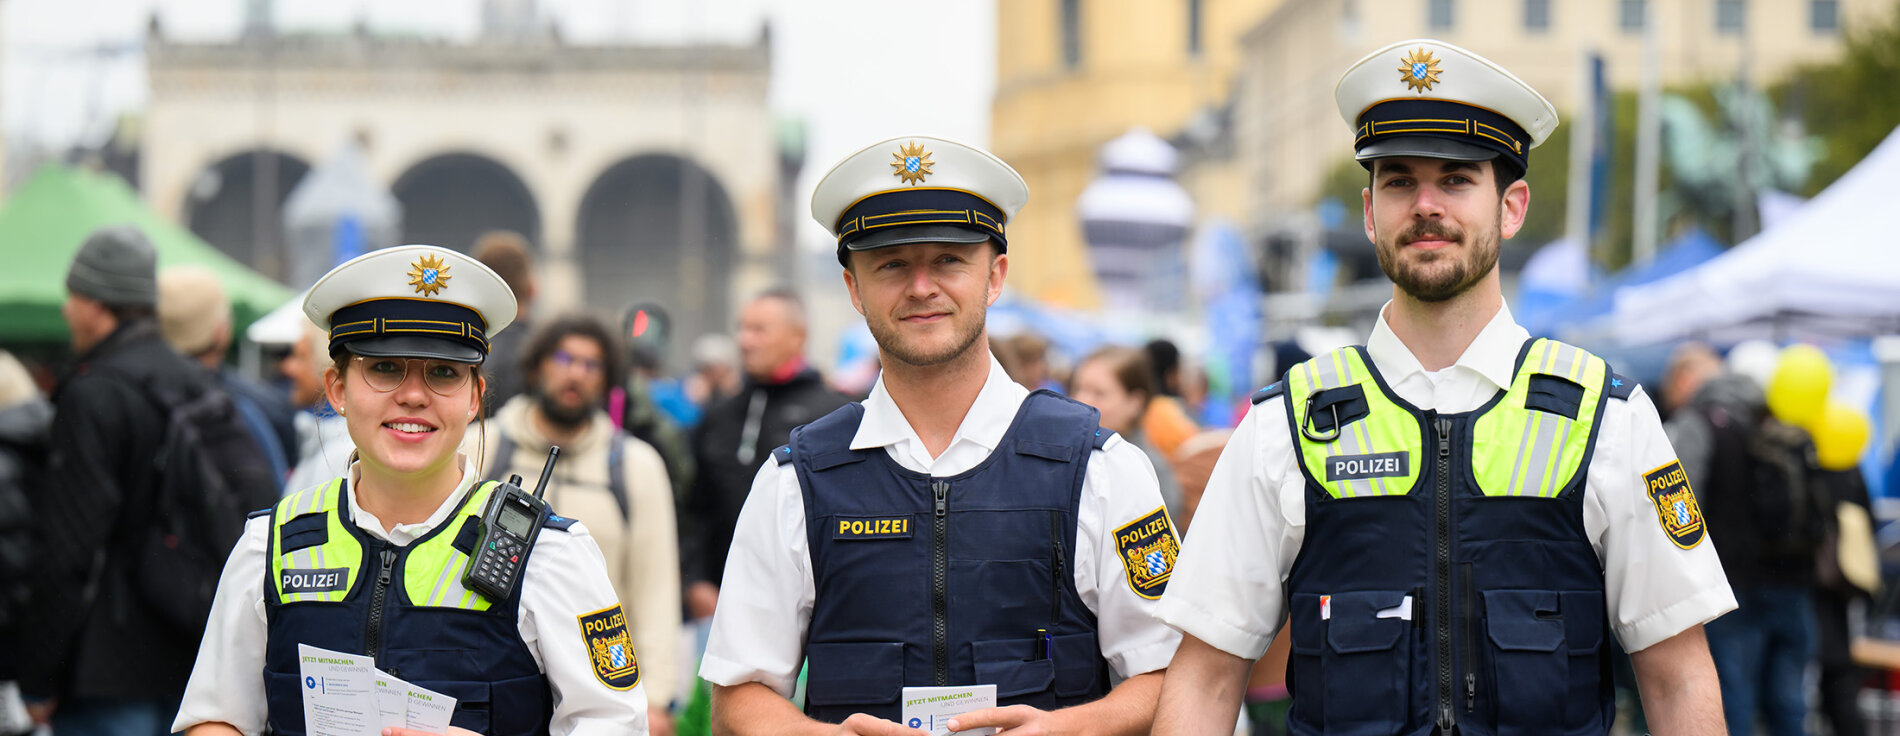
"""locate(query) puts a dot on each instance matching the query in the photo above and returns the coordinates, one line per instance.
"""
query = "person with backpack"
(1755, 478)
(611, 481)
(382, 562)
(26, 418)
(102, 659)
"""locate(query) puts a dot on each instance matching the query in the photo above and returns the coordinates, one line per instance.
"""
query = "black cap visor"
(907, 234)
(414, 346)
(1424, 147)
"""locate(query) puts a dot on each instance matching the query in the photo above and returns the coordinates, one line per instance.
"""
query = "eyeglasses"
(565, 359)
(386, 374)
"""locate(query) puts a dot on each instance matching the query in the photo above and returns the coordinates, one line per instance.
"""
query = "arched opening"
(659, 228)
(237, 204)
(451, 199)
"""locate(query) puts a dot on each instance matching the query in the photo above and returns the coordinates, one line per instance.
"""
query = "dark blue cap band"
(406, 317)
(919, 206)
(1445, 120)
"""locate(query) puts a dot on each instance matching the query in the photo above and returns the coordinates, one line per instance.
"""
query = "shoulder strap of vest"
(1056, 427)
(1273, 389)
(1621, 386)
(825, 442)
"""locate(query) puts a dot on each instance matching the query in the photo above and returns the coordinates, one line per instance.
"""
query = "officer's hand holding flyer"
(345, 695)
(931, 708)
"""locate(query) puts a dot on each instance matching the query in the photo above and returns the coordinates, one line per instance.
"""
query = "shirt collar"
(403, 534)
(884, 425)
(1492, 354)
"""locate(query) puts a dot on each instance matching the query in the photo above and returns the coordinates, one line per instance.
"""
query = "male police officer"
(954, 529)
(1454, 515)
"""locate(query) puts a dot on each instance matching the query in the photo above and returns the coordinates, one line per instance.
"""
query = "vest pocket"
(1529, 658)
(1011, 665)
(1583, 633)
(855, 672)
(1078, 664)
(473, 710)
(1365, 662)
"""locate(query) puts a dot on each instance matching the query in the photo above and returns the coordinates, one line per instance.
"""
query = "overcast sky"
(72, 66)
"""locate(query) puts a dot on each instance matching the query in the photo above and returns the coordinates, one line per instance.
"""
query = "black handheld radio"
(508, 529)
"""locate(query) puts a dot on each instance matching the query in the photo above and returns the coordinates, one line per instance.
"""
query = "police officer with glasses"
(371, 563)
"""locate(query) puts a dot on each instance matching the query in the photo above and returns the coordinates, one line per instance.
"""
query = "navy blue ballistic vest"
(1505, 631)
(475, 656)
(927, 581)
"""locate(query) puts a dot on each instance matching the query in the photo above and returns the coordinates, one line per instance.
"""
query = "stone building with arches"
(640, 173)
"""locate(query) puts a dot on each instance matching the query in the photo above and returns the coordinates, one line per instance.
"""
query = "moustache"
(1429, 231)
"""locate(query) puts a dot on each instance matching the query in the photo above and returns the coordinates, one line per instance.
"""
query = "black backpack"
(1790, 516)
(210, 473)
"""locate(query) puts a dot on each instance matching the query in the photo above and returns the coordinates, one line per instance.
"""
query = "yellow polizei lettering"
(616, 621)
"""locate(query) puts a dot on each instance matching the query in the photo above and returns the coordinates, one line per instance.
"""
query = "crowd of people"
(1456, 526)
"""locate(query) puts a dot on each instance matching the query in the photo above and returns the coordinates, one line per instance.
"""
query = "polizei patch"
(870, 528)
(1676, 510)
(610, 648)
(1362, 467)
(1148, 549)
(326, 580)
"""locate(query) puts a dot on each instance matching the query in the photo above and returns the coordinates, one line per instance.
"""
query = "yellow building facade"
(1072, 75)
(1288, 132)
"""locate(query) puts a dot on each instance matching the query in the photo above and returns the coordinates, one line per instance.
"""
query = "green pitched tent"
(42, 225)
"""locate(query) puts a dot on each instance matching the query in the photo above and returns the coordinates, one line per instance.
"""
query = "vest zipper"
(1058, 565)
(378, 598)
(1441, 575)
(940, 581)
(1468, 618)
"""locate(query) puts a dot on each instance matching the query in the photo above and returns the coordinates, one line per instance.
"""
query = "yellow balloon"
(1797, 392)
(1839, 436)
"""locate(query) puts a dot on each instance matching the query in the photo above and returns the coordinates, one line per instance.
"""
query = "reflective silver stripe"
(1538, 361)
(441, 586)
(1562, 439)
(1373, 486)
(1517, 466)
(1348, 442)
(1543, 454)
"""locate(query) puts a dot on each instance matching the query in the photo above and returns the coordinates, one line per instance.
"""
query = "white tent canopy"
(1831, 268)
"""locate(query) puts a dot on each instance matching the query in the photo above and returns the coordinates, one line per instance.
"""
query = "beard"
(967, 327)
(1440, 275)
(562, 415)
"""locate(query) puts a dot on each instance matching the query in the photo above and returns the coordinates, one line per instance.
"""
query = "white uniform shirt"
(765, 601)
(566, 578)
(1228, 586)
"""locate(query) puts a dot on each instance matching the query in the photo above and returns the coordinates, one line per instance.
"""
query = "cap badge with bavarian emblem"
(1449, 103)
(877, 197)
(395, 303)
(912, 164)
(428, 275)
(1419, 70)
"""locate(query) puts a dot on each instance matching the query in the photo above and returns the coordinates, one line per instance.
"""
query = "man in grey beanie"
(96, 664)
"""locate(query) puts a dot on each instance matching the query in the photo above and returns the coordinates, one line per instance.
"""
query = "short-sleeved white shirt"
(1228, 586)
(566, 578)
(765, 601)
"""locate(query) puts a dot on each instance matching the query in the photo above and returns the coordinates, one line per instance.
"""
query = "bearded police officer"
(1454, 517)
(953, 529)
